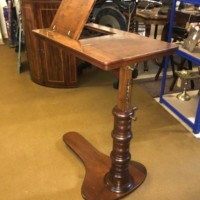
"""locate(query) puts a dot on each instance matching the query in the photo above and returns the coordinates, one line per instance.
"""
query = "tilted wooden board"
(71, 17)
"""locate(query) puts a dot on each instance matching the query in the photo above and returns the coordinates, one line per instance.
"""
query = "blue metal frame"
(196, 125)
(189, 57)
(179, 114)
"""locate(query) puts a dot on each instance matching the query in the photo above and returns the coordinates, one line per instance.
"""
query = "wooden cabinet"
(49, 64)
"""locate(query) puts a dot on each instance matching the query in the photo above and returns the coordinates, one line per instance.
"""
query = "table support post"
(109, 178)
(118, 178)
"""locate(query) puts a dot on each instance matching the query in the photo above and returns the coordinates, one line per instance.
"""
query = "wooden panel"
(59, 67)
(32, 45)
(46, 13)
(48, 64)
(54, 63)
(72, 16)
(71, 69)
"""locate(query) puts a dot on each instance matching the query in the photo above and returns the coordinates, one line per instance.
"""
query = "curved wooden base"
(54, 84)
(97, 166)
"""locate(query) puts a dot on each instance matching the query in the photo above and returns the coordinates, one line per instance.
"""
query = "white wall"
(2, 21)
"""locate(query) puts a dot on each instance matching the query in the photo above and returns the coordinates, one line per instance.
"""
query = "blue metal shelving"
(196, 124)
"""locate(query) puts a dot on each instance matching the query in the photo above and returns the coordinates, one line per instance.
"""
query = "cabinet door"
(58, 66)
(59, 69)
(49, 64)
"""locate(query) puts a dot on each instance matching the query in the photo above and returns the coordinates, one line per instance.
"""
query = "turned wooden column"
(109, 178)
(119, 179)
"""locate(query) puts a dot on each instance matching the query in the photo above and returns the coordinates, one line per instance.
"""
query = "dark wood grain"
(48, 64)
(110, 51)
(96, 166)
(71, 17)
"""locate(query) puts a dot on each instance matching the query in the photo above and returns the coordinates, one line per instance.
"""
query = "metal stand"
(186, 75)
(184, 96)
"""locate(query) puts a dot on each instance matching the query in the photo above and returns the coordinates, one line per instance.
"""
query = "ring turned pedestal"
(116, 176)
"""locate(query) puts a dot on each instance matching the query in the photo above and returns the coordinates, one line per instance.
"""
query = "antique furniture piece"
(53, 67)
(193, 120)
(50, 66)
(149, 17)
(115, 176)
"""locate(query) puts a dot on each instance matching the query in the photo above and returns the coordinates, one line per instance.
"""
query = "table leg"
(136, 26)
(147, 30)
(147, 34)
(113, 177)
(156, 31)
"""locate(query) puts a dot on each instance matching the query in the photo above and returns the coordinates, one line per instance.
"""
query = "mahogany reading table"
(107, 177)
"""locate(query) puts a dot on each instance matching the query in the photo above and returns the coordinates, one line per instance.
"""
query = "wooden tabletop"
(151, 14)
(111, 51)
(72, 22)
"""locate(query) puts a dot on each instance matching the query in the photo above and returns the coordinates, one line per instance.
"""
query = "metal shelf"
(193, 57)
(186, 110)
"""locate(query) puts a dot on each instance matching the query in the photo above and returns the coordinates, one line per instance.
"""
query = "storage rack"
(193, 124)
